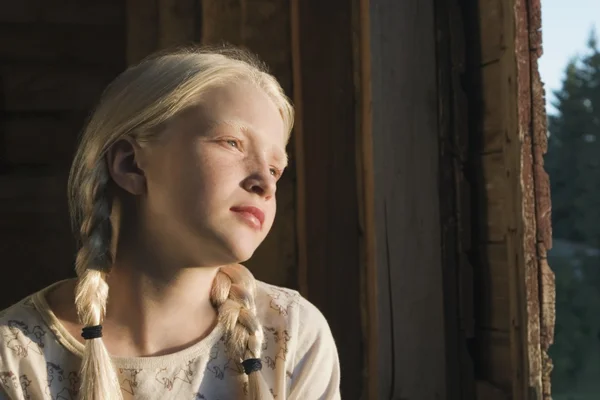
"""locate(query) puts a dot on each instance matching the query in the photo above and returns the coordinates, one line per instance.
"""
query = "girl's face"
(211, 176)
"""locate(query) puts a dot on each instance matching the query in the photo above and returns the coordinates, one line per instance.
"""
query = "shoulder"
(22, 331)
(20, 323)
(22, 342)
(289, 316)
(30, 354)
(297, 333)
(281, 305)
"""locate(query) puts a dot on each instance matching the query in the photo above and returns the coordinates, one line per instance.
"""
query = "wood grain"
(407, 209)
(492, 14)
(331, 215)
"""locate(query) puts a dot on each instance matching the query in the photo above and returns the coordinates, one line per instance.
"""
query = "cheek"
(272, 213)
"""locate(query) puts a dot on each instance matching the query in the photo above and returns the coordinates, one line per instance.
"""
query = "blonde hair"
(136, 104)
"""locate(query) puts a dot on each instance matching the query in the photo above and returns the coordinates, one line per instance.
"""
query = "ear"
(123, 165)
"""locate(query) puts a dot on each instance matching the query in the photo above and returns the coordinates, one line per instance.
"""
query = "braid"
(98, 377)
(232, 294)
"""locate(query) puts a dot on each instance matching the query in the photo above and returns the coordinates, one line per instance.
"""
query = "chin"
(242, 254)
(237, 248)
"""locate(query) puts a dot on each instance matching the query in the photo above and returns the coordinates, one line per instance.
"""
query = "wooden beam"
(407, 216)
(366, 200)
(323, 39)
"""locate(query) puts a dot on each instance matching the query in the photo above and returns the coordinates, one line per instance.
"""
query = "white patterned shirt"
(39, 359)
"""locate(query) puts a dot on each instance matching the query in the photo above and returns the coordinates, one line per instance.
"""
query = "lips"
(253, 216)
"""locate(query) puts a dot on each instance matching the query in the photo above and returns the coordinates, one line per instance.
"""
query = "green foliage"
(573, 163)
(573, 159)
(576, 349)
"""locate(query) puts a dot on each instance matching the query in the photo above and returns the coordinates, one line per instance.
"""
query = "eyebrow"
(243, 127)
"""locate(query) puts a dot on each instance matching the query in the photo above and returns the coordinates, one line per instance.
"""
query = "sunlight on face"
(212, 176)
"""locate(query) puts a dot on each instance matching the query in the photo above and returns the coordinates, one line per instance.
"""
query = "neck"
(157, 304)
(155, 317)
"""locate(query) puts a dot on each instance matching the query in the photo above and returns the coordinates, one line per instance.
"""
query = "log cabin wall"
(55, 59)
(338, 60)
(514, 287)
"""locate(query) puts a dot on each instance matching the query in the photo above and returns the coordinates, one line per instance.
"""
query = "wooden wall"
(409, 288)
(415, 212)
(55, 59)
(515, 289)
(327, 90)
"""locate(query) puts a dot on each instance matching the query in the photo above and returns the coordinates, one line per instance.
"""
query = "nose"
(262, 184)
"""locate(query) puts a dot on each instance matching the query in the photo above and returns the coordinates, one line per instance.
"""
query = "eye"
(233, 143)
(275, 172)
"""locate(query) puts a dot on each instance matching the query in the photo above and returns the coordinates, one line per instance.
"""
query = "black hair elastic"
(92, 332)
(252, 365)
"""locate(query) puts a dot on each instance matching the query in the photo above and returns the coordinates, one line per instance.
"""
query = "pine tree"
(573, 159)
(573, 163)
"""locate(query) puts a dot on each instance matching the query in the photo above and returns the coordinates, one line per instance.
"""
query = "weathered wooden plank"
(493, 292)
(40, 139)
(67, 43)
(539, 138)
(406, 168)
(448, 150)
(366, 204)
(38, 87)
(492, 14)
(495, 359)
(530, 271)
(547, 289)
(494, 194)
(329, 137)
(494, 93)
(464, 210)
(102, 12)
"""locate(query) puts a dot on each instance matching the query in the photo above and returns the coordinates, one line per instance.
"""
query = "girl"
(172, 185)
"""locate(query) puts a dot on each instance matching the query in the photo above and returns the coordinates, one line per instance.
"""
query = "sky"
(566, 26)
